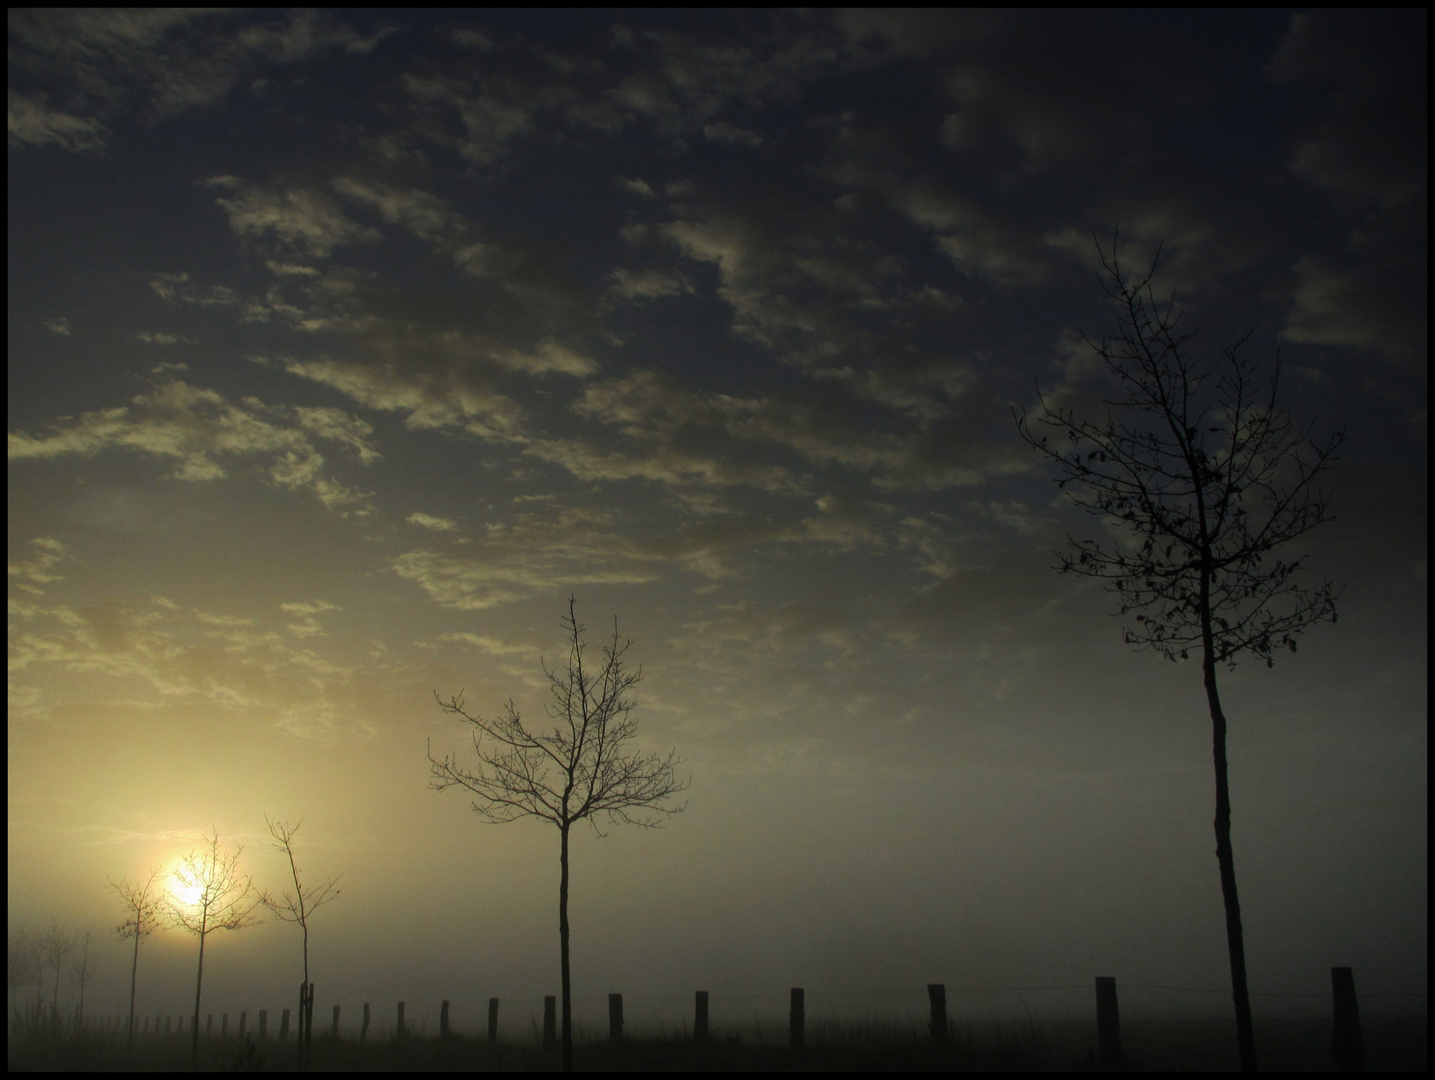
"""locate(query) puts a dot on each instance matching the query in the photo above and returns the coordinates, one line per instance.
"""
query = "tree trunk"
(1225, 858)
(563, 950)
(198, 985)
(134, 972)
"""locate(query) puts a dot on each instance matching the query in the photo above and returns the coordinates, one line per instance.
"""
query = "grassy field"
(1161, 1046)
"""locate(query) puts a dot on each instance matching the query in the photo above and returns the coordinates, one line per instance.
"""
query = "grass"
(872, 1045)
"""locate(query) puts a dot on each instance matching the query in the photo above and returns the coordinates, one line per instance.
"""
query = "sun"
(189, 895)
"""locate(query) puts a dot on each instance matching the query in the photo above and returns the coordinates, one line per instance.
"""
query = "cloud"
(30, 575)
(427, 399)
(32, 123)
(529, 554)
(547, 356)
(59, 326)
(653, 408)
(198, 430)
(302, 220)
(722, 131)
(238, 664)
(160, 62)
(434, 524)
(635, 285)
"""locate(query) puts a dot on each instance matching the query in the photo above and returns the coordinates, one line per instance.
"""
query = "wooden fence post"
(335, 1031)
(284, 1026)
(401, 1020)
(700, 1018)
(937, 997)
(243, 1020)
(1346, 1044)
(263, 1022)
(224, 1026)
(795, 1019)
(443, 1020)
(364, 1031)
(493, 1021)
(615, 1018)
(550, 1021)
(1108, 1023)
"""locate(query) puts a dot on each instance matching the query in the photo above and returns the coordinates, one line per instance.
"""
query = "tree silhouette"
(25, 966)
(56, 946)
(574, 772)
(143, 907)
(219, 898)
(1201, 480)
(297, 909)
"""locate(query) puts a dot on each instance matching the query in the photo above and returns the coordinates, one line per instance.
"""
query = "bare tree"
(25, 965)
(297, 908)
(143, 909)
(56, 947)
(82, 973)
(574, 772)
(213, 895)
(1201, 480)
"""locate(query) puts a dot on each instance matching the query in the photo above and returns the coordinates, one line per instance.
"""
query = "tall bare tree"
(1201, 479)
(297, 908)
(143, 910)
(569, 774)
(213, 895)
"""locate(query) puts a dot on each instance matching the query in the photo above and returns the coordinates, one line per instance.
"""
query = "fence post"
(550, 1021)
(263, 1022)
(1346, 1044)
(335, 1031)
(795, 1018)
(493, 1021)
(700, 1018)
(615, 1018)
(224, 1027)
(1108, 1022)
(168, 1020)
(937, 996)
(209, 1023)
(443, 1020)
(284, 1027)
(364, 1031)
(401, 1020)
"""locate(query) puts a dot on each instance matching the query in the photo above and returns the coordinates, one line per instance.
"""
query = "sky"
(346, 346)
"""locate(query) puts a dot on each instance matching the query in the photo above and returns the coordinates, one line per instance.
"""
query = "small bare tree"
(143, 909)
(1200, 481)
(297, 908)
(56, 947)
(82, 973)
(25, 966)
(570, 774)
(213, 895)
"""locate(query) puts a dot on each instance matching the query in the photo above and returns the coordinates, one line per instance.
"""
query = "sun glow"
(189, 895)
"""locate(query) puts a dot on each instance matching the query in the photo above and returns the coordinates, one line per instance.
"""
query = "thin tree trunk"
(563, 950)
(134, 971)
(198, 986)
(1225, 857)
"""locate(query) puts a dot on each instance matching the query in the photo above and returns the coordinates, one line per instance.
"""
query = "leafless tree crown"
(1200, 472)
(303, 902)
(226, 898)
(577, 769)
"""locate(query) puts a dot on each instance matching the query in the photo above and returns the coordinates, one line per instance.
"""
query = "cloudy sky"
(345, 347)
